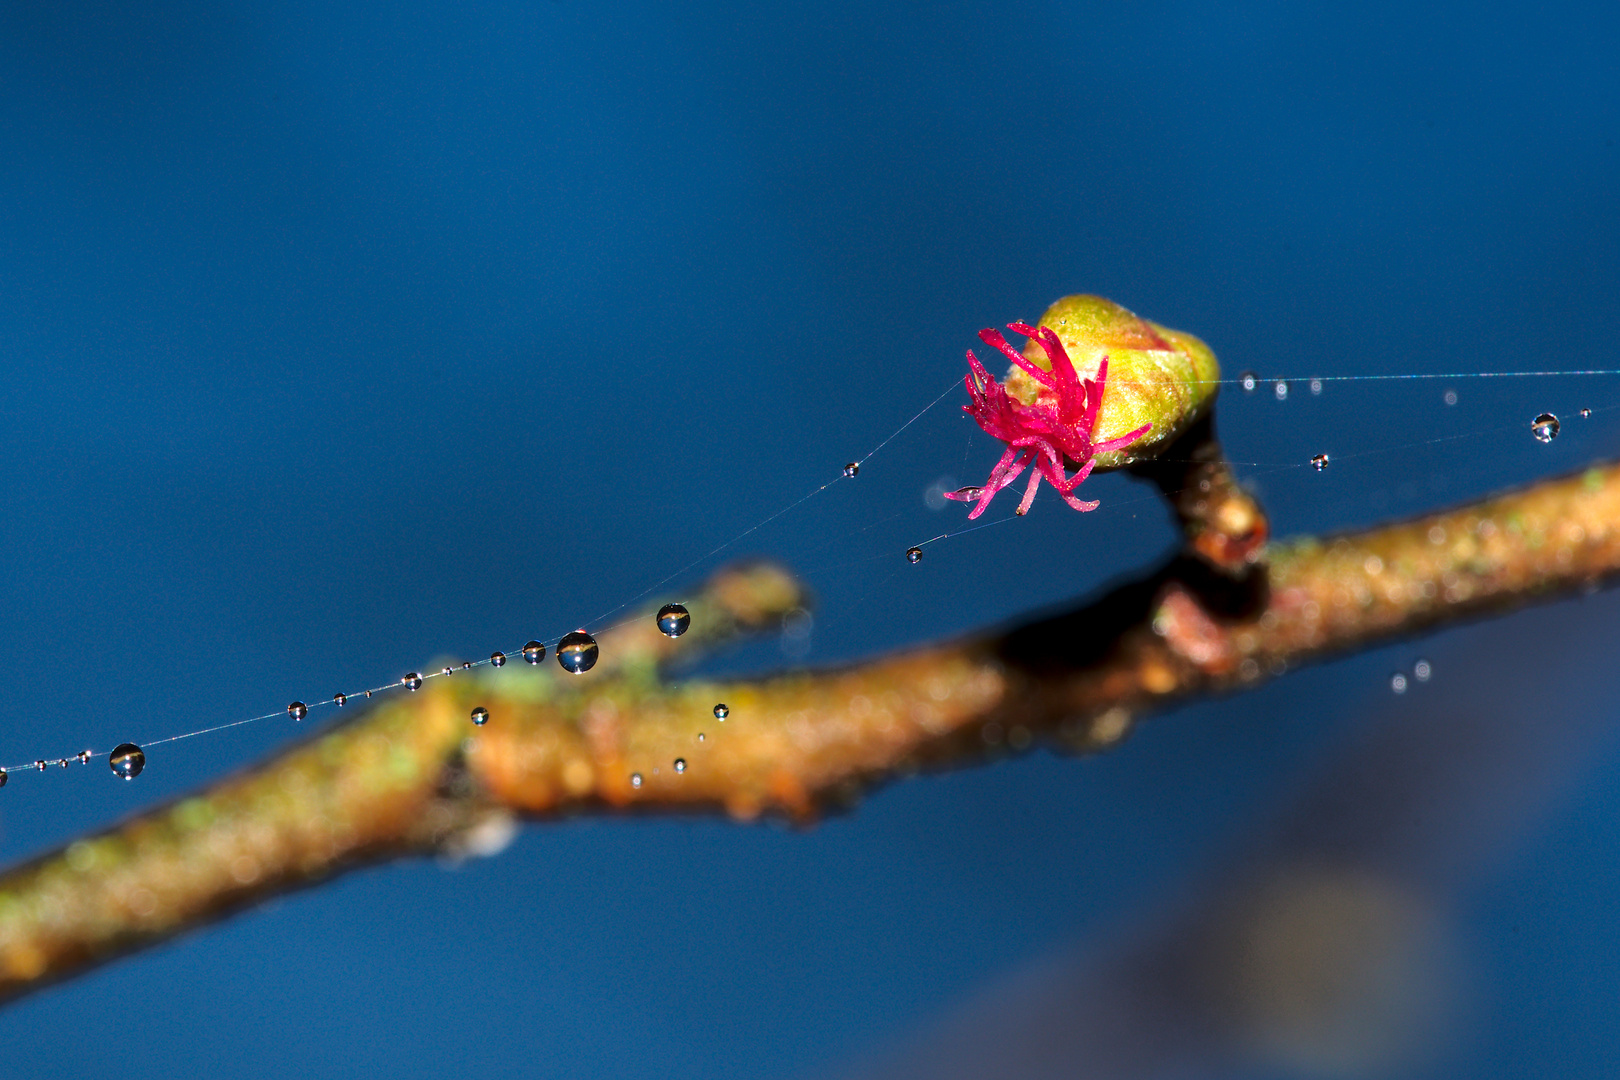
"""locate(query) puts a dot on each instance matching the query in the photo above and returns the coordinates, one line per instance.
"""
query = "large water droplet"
(635, 779)
(1320, 462)
(298, 710)
(3, 777)
(340, 699)
(127, 760)
(480, 716)
(721, 711)
(1544, 427)
(577, 652)
(680, 764)
(914, 555)
(673, 619)
(534, 651)
(852, 469)
(411, 681)
(1248, 380)
(1397, 683)
(1422, 670)
(497, 659)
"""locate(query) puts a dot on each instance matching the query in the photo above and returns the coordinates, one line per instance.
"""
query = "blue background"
(339, 339)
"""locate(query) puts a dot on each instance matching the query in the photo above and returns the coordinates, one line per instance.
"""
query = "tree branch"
(414, 776)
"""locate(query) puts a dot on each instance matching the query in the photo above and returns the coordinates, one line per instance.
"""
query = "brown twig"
(414, 776)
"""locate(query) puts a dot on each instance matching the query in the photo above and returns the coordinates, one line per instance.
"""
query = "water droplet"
(368, 693)
(127, 760)
(700, 736)
(721, 711)
(534, 652)
(1248, 380)
(411, 681)
(466, 665)
(1450, 397)
(480, 716)
(1422, 670)
(3, 777)
(577, 652)
(969, 493)
(852, 469)
(1319, 462)
(497, 659)
(1316, 387)
(1544, 427)
(1397, 683)
(1282, 390)
(40, 765)
(448, 670)
(914, 555)
(680, 764)
(673, 619)
(1585, 413)
(635, 779)
(298, 710)
(62, 762)
(84, 757)
(341, 699)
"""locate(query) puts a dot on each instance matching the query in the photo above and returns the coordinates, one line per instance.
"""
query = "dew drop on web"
(480, 716)
(635, 779)
(852, 470)
(1585, 413)
(1544, 427)
(298, 710)
(1316, 387)
(1319, 462)
(1282, 390)
(577, 652)
(680, 764)
(534, 652)
(721, 711)
(1248, 380)
(1397, 683)
(126, 761)
(340, 700)
(914, 555)
(411, 681)
(497, 659)
(673, 619)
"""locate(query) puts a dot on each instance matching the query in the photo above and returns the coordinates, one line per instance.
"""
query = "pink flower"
(1054, 430)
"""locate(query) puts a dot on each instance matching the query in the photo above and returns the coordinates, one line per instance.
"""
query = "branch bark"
(413, 776)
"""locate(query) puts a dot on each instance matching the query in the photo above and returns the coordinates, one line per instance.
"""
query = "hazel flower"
(1096, 387)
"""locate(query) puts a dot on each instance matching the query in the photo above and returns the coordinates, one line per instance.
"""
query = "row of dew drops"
(576, 653)
(1544, 427)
